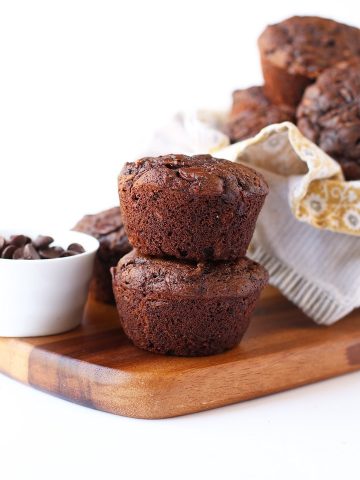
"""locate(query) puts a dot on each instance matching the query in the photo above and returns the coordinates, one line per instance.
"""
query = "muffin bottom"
(184, 327)
(281, 87)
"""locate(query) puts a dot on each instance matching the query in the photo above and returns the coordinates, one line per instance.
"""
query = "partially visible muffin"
(107, 226)
(329, 115)
(296, 51)
(188, 309)
(196, 208)
(252, 111)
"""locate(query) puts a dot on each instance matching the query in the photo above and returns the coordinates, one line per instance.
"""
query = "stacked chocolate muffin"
(188, 288)
(311, 77)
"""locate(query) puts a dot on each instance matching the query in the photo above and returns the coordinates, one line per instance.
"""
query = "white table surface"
(307, 433)
(83, 85)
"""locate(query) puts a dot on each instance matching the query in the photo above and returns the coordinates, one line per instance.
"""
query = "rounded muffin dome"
(329, 115)
(196, 208)
(297, 50)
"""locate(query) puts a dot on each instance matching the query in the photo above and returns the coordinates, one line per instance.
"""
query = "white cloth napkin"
(314, 267)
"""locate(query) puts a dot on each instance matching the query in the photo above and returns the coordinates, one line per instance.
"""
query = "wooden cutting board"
(96, 366)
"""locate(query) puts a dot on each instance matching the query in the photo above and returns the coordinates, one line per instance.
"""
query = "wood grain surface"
(96, 366)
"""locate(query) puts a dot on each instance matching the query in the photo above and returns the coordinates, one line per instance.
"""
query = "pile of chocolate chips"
(21, 247)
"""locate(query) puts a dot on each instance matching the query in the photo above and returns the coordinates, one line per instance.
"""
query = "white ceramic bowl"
(44, 297)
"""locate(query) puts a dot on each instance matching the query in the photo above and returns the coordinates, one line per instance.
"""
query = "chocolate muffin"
(251, 111)
(108, 228)
(296, 51)
(329, 115)
(196, 208)
(181, 308)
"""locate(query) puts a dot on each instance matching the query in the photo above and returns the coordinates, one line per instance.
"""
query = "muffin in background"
(329, 115)
(107, 226)
(252, 111)
(297, 50)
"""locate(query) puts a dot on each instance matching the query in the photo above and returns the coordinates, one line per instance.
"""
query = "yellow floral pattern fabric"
(318, 193)
(316, 269)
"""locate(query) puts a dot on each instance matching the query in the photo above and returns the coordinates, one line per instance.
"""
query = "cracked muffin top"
(200, 175)
(252, 111)
(308, 45)
(329, 115)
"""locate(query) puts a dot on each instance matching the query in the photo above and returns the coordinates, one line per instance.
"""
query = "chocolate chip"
(8, 251)
(42, 241)
(2, 243)
(30, 253)
(18, 254)
(69, 253)
(51, 252)
(21, 247)
(19, 240)
(76, 247)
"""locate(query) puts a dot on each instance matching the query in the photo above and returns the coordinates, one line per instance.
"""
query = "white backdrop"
(82, 87)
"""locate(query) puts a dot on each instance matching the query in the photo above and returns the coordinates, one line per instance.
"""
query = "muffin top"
(200, 175)
(252, 111)
(254, 98)
(174, 278)
(247, 99)
(107, 226)
(329, 114)
(308, 45)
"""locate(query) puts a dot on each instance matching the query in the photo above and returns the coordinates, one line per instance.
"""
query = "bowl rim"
(22, 261)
